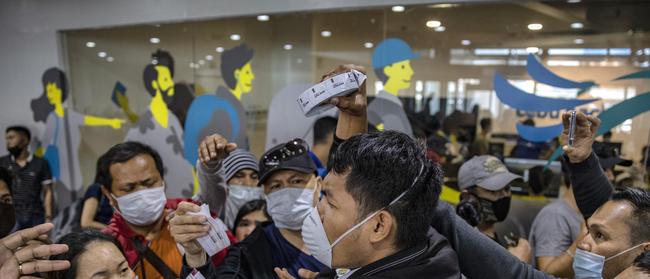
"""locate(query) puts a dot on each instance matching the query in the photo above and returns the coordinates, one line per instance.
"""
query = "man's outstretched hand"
(585, 133)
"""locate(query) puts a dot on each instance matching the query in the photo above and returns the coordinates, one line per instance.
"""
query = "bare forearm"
(560, 266)
(47, 201)
(349, 125)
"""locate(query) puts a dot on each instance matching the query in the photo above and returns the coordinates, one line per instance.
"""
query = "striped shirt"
(29, 182)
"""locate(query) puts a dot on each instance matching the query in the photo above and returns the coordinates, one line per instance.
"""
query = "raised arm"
(353, 119)
(212, 186)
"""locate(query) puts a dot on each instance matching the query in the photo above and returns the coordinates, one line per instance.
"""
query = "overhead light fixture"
(577, 25)
(154, 40)
(465, 42)
(532, 49)
(110, 59)
(219, 49)
(90, 44)
(443, 6)
(535, 26)
(102, 54)
(288, 47)
(263, 18)
(368, 45)
(433, 23)
(440, 29)
(235, 37)
(326, 33)
(573, 1)
(579, 41)
(209, 57)
(398, 9)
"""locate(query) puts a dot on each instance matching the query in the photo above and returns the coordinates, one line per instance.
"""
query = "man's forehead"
(135, 167)
(286, 174)
(612, 214)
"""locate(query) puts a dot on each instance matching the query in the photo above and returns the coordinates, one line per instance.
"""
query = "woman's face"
(248, 223)
(54, 93)
(103, 260)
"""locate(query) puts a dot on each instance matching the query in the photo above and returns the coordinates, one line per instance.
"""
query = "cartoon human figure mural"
(391, 62)
(60, 143)
(160, 129)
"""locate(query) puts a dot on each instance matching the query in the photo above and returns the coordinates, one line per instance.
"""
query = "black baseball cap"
(293, 155)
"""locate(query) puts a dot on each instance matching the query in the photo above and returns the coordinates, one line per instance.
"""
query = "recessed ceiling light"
(532, 49)
(440, 29)
(288, 47)
(102, 54)
(90, 44)
(579, 41)
(535, 26)
(574, 1)
(577, 25)
(433, 23)
(465, 42)
(110, 59)
(398, 9)
(368, 45)
(326, 33)
(235, 37)
(209, 57)
(219, 49)
(443, 6)
(154, 40)
(263, 17)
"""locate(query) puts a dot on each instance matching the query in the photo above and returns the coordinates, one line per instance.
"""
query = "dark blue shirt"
(104, 209)
(288, 256)
(320, 168)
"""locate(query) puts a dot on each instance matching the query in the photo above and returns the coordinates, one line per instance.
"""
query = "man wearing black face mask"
(32, 177)
(484, 182)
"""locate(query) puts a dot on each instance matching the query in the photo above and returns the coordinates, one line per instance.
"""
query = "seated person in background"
(7, 211)
(237, 168)
(134, 185)
(481, 144)
(92, 254)
(555, 232)
(609, 159)
(484, 182)
(249, 216)
(640, 269)
(97, 210)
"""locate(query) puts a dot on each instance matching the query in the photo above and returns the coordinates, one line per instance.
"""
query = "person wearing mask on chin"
(33, 178)
(134, 185)
(292, 187)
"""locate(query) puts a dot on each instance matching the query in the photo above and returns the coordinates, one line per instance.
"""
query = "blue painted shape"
(519, 99)
(52, 157)
(539, 134)
(556, 154)
(636, 75)
(118, 89)
(541, 74)
(622, 111)
(199, 115)
(392, 50)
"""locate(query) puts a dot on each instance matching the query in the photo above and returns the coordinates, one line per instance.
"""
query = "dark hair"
(248, 208)
(121, 153)
(382, 165)
(164, 58)
(638, 222)
(323, 127)
(150, 74)
(485, 123)
(77, 244)
(528, 122)
(643, 262)
(379, 72)
(8, 178)
(41, 106)
(233, 59)
(21, 130)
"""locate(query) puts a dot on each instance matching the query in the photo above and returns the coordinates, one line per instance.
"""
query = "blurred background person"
(96, 210)
(250, 215)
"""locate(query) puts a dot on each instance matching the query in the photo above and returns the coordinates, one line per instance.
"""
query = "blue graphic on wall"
(637, 75)
(539, 134)
(541, 74)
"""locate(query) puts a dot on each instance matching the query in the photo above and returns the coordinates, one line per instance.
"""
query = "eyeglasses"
(291, 149)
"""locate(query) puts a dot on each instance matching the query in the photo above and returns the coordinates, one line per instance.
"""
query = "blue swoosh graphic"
(541, 74)
(636, 75)
(519, 99)
(198, 116)
(539, 134)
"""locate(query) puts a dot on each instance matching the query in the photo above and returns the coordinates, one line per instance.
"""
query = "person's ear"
(154, 85)
(646, 247)
(108, 196)
(465, 195)
(382, 226)
(236, 74)
(319, 187)
(388, 70)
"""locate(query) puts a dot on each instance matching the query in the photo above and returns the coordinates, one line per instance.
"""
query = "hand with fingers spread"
(186, 229)
(213, 149)
(585, 133)
(283, 273)
(16, 260)
(356, 103)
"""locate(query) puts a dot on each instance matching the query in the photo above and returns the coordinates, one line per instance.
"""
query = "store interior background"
(455, 70)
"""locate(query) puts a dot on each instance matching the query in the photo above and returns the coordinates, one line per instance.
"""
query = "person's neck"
(150, 232)
(158, 109)
(58, 109)
(487, 229)
(238, 91)
(295, 238)
(322, 152)
(391, 87)
(22, 158)
(570, 199)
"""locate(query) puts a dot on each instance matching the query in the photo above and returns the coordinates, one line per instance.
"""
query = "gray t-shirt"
(555, 228)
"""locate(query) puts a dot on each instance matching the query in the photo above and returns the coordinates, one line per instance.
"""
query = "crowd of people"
(356, 204)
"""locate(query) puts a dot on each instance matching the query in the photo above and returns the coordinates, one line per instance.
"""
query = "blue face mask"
(587, 265)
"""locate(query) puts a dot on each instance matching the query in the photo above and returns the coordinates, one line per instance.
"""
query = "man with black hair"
(324, 129)
(33, 179)
(162, 130)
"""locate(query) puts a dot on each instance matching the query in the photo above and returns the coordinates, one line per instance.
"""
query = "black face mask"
(15, 151)
(7, 219)
(494, 211)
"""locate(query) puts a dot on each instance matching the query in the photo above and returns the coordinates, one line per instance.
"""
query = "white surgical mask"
(142, 208)
(290, 206)
(238, 196)
(587, 265)
(315, 238)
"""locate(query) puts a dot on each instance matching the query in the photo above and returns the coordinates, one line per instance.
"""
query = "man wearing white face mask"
(134, 185)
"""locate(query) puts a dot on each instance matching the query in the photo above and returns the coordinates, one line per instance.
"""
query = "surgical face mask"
(590, 265)
(7, 218)
(315, 238)
(238, 196)
(289, 206)
(143, 207)
(494, 211)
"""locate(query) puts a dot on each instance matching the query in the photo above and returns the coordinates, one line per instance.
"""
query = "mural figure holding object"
(391, 61)
(161, 130)
(60, 142)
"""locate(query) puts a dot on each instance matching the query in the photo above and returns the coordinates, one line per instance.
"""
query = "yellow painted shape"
(158, 109)
(380, 127)
(114, 123)
(40, 152)
(244, 77)
(55, 96)
(195, 189)
(450, 195)
(399, 76)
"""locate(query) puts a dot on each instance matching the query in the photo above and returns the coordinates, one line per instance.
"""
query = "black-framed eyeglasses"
(294, 148)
